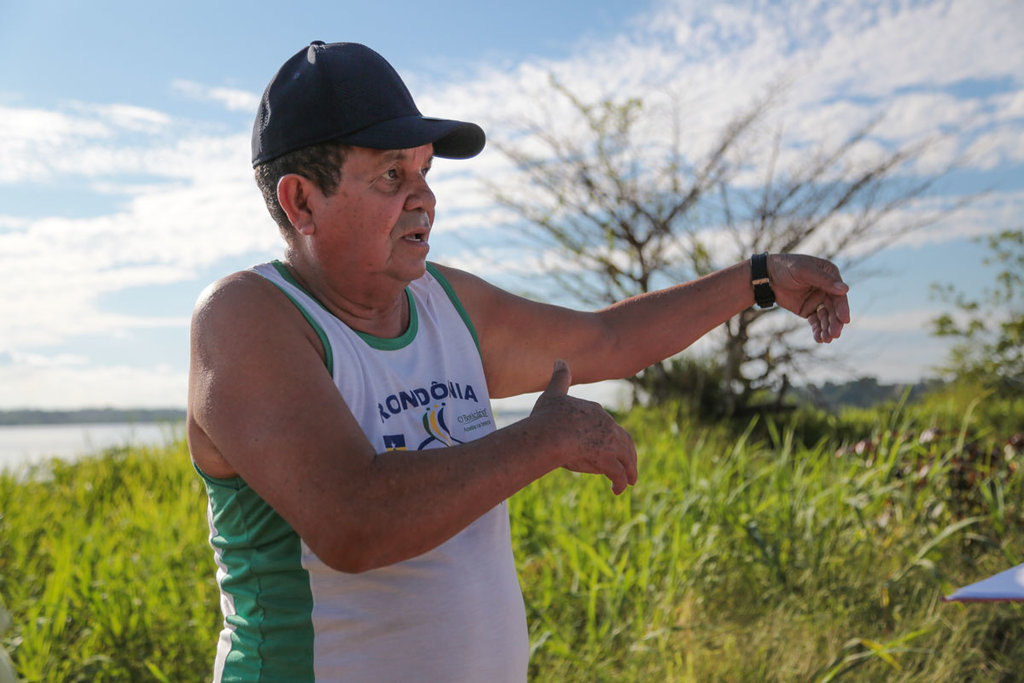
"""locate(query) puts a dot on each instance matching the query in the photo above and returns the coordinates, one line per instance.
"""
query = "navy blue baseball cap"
(348, 93)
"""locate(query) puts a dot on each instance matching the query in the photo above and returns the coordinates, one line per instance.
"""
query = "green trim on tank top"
(379, 343)
(236, 482)
(450, 291)
(328, 353)
(247, 534)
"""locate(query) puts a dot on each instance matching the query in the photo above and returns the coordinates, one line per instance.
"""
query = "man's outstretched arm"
(520, 337)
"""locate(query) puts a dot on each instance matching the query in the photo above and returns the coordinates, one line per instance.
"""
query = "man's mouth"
(416, 230)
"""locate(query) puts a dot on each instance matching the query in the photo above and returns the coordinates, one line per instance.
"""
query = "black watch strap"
(763, 294)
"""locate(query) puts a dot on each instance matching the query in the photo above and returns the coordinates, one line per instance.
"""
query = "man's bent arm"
(262, 406)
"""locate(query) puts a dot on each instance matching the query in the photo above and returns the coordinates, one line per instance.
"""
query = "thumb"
(561, 380)
(826, 276)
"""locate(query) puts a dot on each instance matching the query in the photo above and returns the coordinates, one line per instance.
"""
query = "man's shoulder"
(241, 294)
(242, 283)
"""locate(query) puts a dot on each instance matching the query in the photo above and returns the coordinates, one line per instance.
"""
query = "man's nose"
(421, 198)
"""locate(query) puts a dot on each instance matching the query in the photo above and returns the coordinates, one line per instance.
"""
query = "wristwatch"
(763, 294)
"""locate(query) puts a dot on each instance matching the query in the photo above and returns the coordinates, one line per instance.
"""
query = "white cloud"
(846, 64)
(995, 148)
(986, 215)
(898, 321)
(27, 125)
(188, 201)
(73, 386)
(231, 99)
(30, 138)
(1009, 106)
(35, 360)
(57, 269)
(79, 141)
(125, 117)
(203, 207)
(916, 115)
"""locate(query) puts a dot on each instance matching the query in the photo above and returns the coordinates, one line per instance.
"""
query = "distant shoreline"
(862, 393)
(90, 416)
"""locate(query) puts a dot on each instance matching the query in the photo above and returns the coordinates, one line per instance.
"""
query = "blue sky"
(125, 185)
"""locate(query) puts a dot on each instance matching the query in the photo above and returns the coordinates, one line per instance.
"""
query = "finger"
(815, 327)
(618, 480)
(626, 472)
(561, 380)
(843, 309)
(631, 463)
(835, 327)
(819, 317)
(838, 315)
(828, 319)
(819, 321)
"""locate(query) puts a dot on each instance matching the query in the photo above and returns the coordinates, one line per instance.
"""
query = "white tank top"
(454, 613)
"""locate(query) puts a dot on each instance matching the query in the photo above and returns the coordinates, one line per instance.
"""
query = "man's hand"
(592, 442)
(813, 289)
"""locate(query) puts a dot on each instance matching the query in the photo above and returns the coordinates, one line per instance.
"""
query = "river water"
(25, 445)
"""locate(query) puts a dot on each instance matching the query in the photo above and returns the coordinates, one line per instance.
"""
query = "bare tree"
(632, 213)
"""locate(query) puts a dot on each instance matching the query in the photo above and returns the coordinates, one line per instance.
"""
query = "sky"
(126, 186)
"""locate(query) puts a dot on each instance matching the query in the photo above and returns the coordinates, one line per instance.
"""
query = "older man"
(339, 398)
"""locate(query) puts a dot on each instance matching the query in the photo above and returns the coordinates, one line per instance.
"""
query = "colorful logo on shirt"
(432, 400)
(435, 426)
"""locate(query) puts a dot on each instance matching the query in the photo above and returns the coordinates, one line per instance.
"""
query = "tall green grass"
(750, 555)
(105, 568)
(743, 558)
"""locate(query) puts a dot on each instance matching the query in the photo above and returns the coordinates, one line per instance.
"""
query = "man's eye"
(391, 174)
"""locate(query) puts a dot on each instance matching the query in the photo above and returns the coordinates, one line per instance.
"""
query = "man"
(339, 398)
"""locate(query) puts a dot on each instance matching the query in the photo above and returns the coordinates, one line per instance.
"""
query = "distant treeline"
(90, 415)
(863, 392)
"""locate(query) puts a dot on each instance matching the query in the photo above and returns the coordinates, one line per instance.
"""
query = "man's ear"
(293, 193)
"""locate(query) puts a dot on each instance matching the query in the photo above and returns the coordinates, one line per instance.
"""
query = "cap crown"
(348, 92)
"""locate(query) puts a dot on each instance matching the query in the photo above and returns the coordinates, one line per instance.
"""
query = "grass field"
(819, 550)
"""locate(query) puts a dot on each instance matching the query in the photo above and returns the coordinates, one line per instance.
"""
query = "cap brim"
(451, 139)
